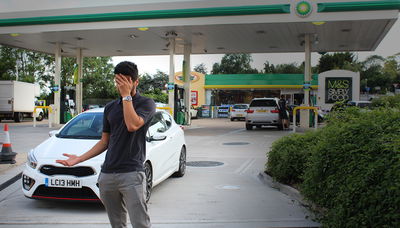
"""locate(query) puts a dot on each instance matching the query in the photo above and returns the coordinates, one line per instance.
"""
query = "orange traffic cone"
(7, 156)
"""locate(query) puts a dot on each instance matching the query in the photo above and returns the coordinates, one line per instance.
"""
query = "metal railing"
(305, 107)
(50, 114)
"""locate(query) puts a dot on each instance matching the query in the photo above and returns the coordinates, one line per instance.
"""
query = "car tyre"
(232, 119)
(182, 164)
(148, 171)
(249, 127)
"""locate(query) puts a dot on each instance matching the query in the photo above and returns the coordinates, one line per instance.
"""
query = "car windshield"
(364, 105)
(84, 126)
(240, 106)
(263, 103)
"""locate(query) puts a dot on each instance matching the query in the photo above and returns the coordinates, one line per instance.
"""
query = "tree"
(98, 78)
(153, 85)
(269, 68)
(160, 79)
(378, 72)
(289, 68)
(338, 60)
(234, 64)
(201, 68)
(28, 66)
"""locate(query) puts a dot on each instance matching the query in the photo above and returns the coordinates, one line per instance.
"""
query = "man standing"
(122, 179)
(283, 116)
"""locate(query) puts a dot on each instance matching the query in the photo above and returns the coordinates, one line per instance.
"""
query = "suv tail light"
(275, 111)
(233, 110)
(249, 110)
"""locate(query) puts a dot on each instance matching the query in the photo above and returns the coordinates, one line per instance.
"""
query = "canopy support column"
(305, 113)
(187, 49)
(57, 81)
(171, 78)
(307, 68)
(79, 84)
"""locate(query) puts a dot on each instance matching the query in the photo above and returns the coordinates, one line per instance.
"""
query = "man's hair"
(282, 96)
(127, 68)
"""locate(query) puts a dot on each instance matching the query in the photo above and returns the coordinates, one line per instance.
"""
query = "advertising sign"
(338, 89)
(194, 98)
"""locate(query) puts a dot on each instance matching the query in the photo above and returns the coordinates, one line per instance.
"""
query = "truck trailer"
(17, 100)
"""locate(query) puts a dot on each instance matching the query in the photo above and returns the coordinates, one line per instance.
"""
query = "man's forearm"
(132, 120)
(97, 149)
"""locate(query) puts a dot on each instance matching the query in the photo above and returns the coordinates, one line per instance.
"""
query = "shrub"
(354, 171)
(288, 157)
(387, 101)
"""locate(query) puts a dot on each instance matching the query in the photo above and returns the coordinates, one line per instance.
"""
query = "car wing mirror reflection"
(52, 133)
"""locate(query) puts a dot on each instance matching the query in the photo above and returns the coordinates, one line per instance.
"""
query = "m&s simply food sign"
(338, 89)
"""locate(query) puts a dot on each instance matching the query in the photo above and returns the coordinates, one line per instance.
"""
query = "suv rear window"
(263, 103)
(240, 106)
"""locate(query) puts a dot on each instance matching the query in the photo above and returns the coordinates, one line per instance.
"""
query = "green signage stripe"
(257, 79)
(143, 15)
(359, 6)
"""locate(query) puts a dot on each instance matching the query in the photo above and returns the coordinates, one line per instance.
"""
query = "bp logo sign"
(303, 8)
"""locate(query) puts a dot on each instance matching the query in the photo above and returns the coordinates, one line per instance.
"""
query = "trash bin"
(312, 118)
(67, 116)
(180, 118)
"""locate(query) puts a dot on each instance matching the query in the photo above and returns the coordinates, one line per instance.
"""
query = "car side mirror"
(52, 133)
(156, 137)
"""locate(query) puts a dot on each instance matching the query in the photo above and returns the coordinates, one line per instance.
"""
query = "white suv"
(263, 112)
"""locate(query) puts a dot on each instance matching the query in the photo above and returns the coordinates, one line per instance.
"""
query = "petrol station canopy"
(144, 27)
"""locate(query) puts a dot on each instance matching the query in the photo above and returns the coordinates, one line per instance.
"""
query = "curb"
(286, 189)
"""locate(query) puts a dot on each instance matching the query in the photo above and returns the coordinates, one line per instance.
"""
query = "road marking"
(247, 167)
(244, 165)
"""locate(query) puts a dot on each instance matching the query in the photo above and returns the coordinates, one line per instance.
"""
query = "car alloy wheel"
(149, 180)
(182, 164)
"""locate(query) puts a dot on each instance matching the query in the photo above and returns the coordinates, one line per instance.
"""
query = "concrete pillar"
(57, 81)
(171, 78)
(305, 113)
(79, 86)
(307, 68)
(186, 58)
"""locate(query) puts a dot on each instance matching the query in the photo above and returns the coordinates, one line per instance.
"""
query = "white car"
(43, 178)
(263, 112)
(239, 111)
(193, 113)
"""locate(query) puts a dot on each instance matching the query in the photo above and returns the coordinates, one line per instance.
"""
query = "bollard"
(7, 156)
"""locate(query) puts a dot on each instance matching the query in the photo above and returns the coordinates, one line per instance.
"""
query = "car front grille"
(83, 193)
(79, 171)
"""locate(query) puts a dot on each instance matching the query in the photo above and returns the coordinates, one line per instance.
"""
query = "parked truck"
(17, 100)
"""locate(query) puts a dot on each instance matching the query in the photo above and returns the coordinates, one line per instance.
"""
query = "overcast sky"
(390, 45)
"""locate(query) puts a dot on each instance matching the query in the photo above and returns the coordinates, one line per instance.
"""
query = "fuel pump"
(179, 105)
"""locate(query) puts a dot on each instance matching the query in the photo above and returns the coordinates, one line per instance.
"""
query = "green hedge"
(387, 101)
(351, 167)
(288, 157)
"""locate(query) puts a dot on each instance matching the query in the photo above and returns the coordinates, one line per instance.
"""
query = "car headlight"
(32, 162)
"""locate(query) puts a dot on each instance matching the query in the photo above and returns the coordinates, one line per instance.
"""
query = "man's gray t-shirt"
(126, 150)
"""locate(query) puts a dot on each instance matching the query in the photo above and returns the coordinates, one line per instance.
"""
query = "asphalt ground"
(228, 195)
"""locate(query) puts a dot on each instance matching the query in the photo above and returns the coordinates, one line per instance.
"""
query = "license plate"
(239, 115)
(62, 183)
(262, 110)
